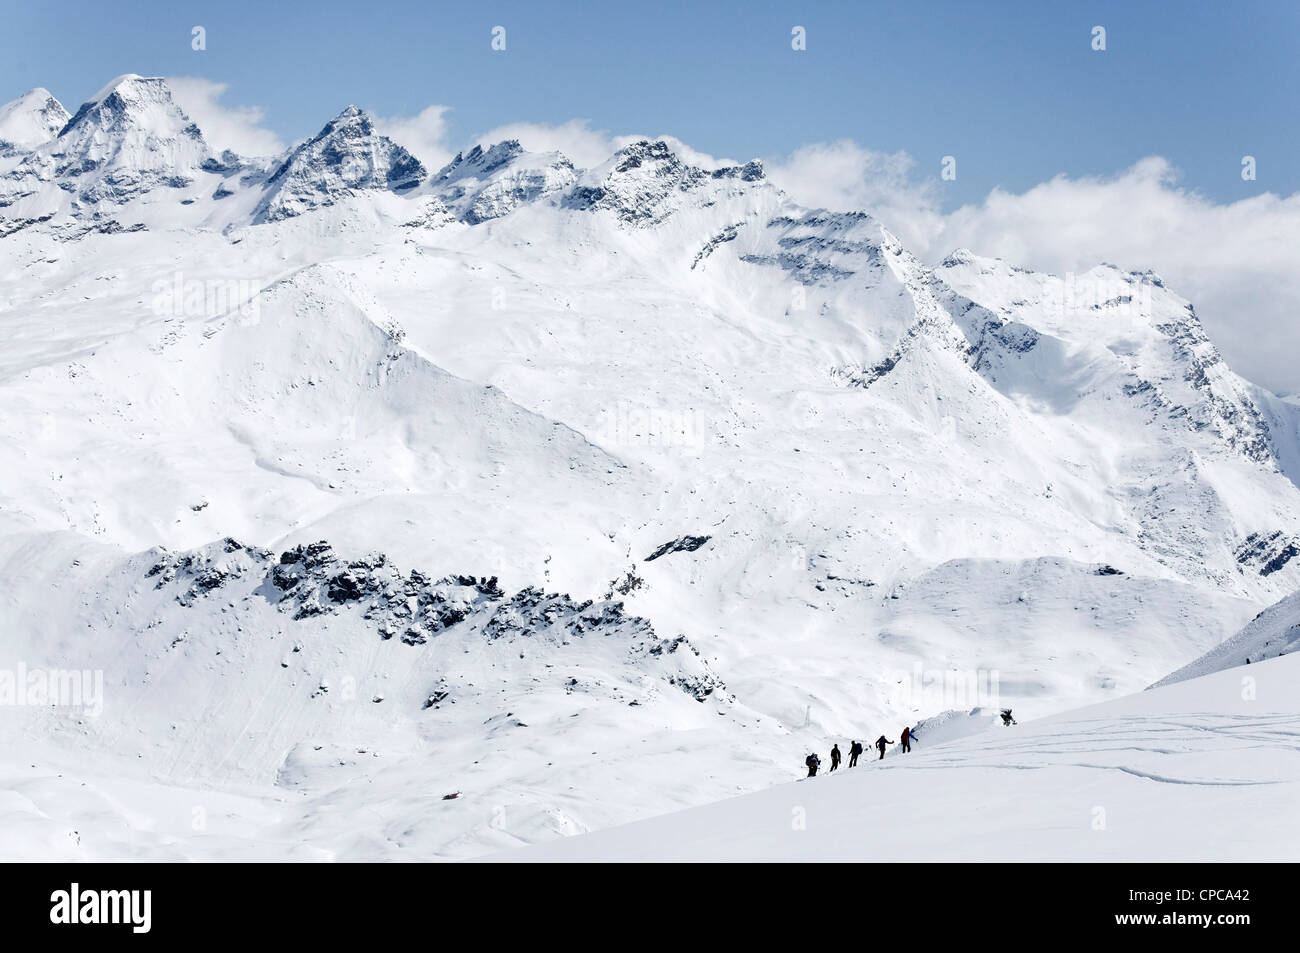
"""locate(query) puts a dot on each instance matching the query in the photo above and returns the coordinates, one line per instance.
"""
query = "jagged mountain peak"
(127, 140)
(132, 100)
(479, 161)
(351, 122)
(645, 150)
(485, 184)
(645, 181)
(345, 157)
(661, 154)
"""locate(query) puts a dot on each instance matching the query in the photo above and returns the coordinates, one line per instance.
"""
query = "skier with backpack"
(835, 757)
(881, 743)
(813, 763)
(854, 750)
(1006, 717)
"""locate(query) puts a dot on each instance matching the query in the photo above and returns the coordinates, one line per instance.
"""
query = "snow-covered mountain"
(653, 477)
(129, 139)
(482, 185)
(345, 157)
(31, 120)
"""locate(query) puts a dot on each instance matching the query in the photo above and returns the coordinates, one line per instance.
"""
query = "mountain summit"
(129, 139)
(484, 184)
(31, 120)
(345, 157)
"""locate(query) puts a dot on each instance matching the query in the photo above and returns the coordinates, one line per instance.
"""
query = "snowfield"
(585, 495)
(1206, 770)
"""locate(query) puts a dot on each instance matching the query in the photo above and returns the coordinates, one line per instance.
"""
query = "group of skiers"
(814, 763)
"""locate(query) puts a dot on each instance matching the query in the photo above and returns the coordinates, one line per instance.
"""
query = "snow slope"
(1206, 770)
(854, 484)
(1274, 632)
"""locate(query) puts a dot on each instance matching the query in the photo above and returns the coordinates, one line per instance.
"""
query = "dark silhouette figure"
(881, 743)
(1006, 717)
(835, 757)
(906, 738)
(813, 763)
(854, 750)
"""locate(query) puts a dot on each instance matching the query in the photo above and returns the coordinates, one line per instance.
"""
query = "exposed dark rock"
(683, 544)
(311, 581)
(1267, 554)
(728, 234)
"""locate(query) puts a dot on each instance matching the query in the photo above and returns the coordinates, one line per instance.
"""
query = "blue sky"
(1013, 90)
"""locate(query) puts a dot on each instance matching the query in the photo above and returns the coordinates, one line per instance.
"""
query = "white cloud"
(423, 135)
(844, 176)
(224, 127)
(427, 135)
(1238, 263)
(585, 147)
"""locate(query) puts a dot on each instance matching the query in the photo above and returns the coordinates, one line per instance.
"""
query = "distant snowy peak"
(1165, 361)
(647, 182)
(482, 185)
(31, 120)
(959, 257)
(345, 157)
(479, 163)
(642, 184)
(132, 122)
(130, 138)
